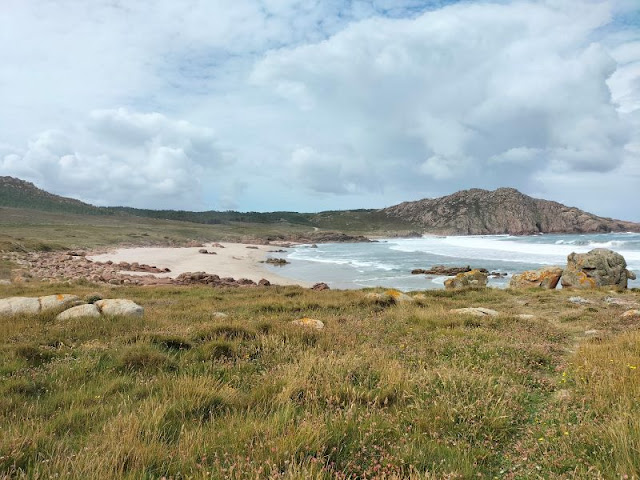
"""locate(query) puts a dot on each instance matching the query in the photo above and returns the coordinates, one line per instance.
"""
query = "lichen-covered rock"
(399, 297)
(381, 298)
(597, 268)
(309, 323)
(19, 305)
(476, 311)
(119, 306)
(87, 310)
(546, 277)
(631, 314)
(52, 302)
(474, 278)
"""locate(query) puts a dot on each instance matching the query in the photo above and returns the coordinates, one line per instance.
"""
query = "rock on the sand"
(597, 268)
(546, 277)
(19, 305)
(309, 323)
(51, 302)
(474, 278)
(119, 306)
(476, 311)
(88, 310)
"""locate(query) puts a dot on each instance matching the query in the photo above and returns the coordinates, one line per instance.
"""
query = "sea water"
(388, 262)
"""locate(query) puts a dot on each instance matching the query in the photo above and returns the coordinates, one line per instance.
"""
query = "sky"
(310, 105)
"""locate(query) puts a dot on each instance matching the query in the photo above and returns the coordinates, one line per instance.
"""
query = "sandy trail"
(234, 260)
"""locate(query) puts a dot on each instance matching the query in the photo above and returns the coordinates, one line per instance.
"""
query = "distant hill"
(17, 193)
(468, 212)
(502, 211)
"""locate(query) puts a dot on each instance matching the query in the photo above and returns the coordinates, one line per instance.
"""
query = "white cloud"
(122, 157)
(319, 104)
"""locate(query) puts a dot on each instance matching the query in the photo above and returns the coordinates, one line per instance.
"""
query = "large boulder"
(546, 277)
(597, 268)
(19, 305)
(119, 306)
(88, 310)
(52, 302)
(474, 278)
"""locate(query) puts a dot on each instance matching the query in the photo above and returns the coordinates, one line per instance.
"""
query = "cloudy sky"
(321, 104)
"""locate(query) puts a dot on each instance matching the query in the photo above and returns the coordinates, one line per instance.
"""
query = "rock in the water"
(631, 314)
(88, 310)
(597, 268)
(474, 278)
(320, 286)
(441, 270)
(546, 277)
(309, 323)
(51, 302)
(119, 306)
(19, 305)
(476, 311)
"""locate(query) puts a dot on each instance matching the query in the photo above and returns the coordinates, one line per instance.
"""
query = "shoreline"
(237, 260)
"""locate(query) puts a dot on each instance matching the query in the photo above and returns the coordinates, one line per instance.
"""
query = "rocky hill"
(502, 211)
(17, 193)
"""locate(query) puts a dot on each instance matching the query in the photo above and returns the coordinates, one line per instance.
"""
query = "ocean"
(388, 262)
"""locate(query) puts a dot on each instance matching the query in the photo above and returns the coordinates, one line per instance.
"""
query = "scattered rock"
(631, 314)
(119, 306)
(381, 298)
(219, 315)
(217, 245)
(591, 332)
(51, 302)
(5, 282)
(19, 305)
(263, 282)
(88, 310)
(546, 277)
(525, 316)
(320, 287)
(597, 268)
(309, 323)
(476, 311)
(204, 251)
(580, 301)
(314, 246)
(474, 278)
(252, 247)
(620, 301)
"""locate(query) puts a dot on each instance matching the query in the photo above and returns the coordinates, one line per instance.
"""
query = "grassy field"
(384, 391)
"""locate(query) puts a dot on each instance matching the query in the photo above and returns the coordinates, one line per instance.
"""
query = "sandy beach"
(231, 260)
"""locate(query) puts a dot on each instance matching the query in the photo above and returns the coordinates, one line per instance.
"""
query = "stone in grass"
(525, 316)
(51, 302)
(87, 310)
(399, 297)
(631, 314)
(119, 306)
(219, 315)
(388, 297)
(309, 323)
(19, 305)
(476, 311)
(580, 301)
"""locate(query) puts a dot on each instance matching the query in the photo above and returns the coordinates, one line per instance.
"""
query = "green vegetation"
(405, 391)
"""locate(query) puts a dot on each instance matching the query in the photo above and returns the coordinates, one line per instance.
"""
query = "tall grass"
(404, 391)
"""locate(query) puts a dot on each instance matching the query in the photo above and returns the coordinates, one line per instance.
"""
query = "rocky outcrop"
(505, 210)
(597, 268)
(52, 302)
(474, 278)
(546, 277)
(318, 287)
